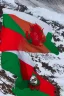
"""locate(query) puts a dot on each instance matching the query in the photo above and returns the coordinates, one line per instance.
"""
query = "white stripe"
(30, 19)
(24, 56)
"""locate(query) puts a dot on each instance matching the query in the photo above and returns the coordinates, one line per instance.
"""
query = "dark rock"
(55, 38)
(61, 48)
(62, 33)
(22, 8)
(46, 66)
(6, 88)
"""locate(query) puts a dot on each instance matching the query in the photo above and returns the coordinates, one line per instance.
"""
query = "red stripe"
(26, 70)
(10, 39)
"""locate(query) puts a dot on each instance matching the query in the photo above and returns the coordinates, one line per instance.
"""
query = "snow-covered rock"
(49, 66)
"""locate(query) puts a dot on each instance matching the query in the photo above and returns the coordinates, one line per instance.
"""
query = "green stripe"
(28, 92)
(8, 22)
(50, 45)
(11, 63)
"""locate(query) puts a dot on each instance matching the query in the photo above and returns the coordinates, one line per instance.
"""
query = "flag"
(15, 25)
(17, 44)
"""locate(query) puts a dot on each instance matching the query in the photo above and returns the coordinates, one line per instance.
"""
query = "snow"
(56, 5)
(56, 62)
(40, 11)
(1, 94)
(46, 13)
(60, 37)
(33, 3)
(10, 2)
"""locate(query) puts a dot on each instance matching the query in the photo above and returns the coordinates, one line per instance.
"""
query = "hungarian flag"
(21, 35)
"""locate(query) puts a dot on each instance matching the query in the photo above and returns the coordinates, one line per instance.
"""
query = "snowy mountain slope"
(49, 65)
(38, 11)
(33, 3)
(56, 5)
(46, 13)
(6, 83)
(8, 3)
